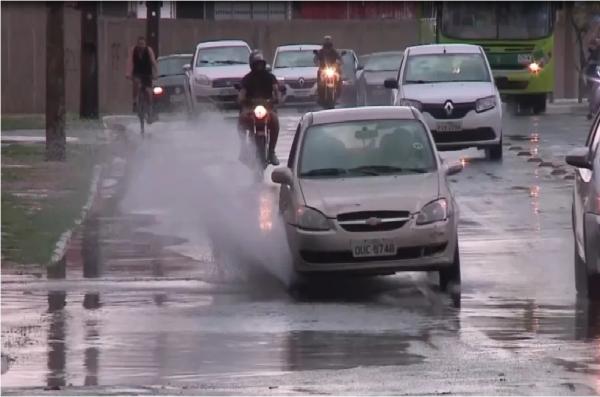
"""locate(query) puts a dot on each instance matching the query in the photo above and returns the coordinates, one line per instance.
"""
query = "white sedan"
(453, 87)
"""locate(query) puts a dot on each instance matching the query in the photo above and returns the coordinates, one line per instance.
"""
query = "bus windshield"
(496, 21)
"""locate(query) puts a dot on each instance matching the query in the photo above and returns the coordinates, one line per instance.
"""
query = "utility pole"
(152, 24)
(88, 105)
(56, 141)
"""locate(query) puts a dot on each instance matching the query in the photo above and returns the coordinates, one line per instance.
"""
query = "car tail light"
(260, 112)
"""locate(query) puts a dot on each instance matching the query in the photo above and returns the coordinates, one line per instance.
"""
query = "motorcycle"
(257, 137)
(329, 79)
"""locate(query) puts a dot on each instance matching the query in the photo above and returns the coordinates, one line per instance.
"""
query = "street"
(186, 286)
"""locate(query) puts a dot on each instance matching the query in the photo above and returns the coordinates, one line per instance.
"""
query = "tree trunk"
(152, 24)
(55, 83)
(89, 61)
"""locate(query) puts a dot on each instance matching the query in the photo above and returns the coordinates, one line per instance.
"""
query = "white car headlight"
(202, 80)
(436, 211)
(487, 103)
(411, 102)
(311, 219)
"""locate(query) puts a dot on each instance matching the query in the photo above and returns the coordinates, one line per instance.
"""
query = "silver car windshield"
(366, 148)
(441, 68)
(384, 62)
(220, 56)
(294, 59)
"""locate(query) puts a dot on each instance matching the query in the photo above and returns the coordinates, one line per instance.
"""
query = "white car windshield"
(442, 68)
(294, 59)
(366, 148)
(220, 56)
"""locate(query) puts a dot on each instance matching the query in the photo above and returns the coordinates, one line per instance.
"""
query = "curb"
(96, 187)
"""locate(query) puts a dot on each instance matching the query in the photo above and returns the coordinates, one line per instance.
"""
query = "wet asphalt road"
(184, 289)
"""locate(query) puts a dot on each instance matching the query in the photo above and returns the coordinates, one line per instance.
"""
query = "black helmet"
(257, 60)
(327, 42)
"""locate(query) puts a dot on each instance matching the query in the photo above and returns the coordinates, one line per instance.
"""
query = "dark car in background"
(377, 68)
(349, 69)
(586, 213)
(171, 88)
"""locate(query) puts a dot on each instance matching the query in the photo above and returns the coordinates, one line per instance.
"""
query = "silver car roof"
(430, 49)
(363, 113)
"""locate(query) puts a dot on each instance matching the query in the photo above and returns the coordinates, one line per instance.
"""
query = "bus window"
(523, 20)
(469, 20)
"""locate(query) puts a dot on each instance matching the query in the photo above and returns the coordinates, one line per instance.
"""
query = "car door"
(286, 193)
(397, 93)
(582, 200)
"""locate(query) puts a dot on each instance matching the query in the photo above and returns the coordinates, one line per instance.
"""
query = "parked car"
(378, 67)
(365, 191)
(217, 67)
(171, 90)
(453, 86)
(586, 213)
(294, 67)
(349, 69)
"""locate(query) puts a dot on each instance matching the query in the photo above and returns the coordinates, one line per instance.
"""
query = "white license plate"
(449, 126)
(303, 93)
(373, 248)
(524, 58)
(177, 98)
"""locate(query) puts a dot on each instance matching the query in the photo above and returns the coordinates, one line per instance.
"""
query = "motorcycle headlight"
(329, 72)
(311, 219)
(202, 80)
(436, 211)
(411, 102)
(157, 90)
(483, 104)
(260, 112)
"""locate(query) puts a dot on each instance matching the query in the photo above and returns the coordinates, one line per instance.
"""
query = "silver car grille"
(373, 221)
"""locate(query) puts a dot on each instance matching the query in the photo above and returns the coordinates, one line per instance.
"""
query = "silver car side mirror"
(282, 175)
(580, 158)
(454, 169)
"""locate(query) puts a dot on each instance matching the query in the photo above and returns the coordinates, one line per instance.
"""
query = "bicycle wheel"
(141, 110)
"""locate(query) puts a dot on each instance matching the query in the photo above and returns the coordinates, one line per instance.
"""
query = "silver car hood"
(296, 73)
(226, 71)
(394, 193)
(441, 92)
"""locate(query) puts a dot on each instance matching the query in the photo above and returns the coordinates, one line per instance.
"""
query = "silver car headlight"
(411, 102)
(435, 211)
(202, 80)
(487, 103)
(310, 219)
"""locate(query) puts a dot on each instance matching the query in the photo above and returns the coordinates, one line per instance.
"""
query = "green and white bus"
(518, 38)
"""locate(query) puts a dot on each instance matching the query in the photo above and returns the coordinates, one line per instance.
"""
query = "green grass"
(38, 122)
(29, 237)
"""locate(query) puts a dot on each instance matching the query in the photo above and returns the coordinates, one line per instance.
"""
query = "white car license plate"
(177, 98)
(303, 93)
(449, 126)
(373, 248)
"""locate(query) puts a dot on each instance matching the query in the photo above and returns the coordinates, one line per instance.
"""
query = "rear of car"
(294, 67)
(586, 213)
(377, 68)
(171, 88)
(453, 87)
(346, 199)
(217, 67)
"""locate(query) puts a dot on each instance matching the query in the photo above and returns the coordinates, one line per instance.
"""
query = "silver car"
(586, 213)
(365, 191)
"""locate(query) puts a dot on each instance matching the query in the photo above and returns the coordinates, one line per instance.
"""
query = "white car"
(453, 87)
(217, 66)
(293, 65)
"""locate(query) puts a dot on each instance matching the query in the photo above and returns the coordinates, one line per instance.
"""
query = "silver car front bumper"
(428, 247)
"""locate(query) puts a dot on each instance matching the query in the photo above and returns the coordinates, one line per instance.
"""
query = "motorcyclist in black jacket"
(328, 56)
(256, 85)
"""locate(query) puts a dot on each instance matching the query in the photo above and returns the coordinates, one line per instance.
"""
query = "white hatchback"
(453, 87)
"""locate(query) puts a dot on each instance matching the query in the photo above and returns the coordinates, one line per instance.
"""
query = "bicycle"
(143, 107)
